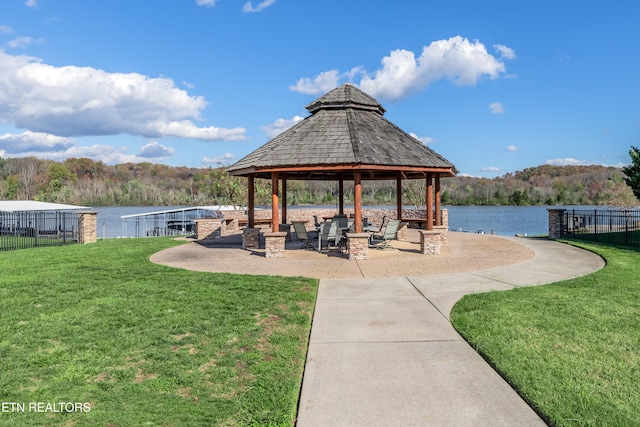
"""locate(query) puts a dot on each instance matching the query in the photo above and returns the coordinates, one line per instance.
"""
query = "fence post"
(556, 223)
(87, 227)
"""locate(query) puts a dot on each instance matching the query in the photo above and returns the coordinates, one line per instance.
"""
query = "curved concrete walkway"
(383, 352)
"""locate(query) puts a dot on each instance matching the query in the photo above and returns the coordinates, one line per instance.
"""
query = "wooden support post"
(340, 194)
(399, 194)
(284, 198)
(357, 201)
(438, 196)
(274, 203)
(429, 201)
(251, 205)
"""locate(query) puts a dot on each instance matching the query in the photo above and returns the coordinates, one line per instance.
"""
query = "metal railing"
(619, 227)
(29, 229)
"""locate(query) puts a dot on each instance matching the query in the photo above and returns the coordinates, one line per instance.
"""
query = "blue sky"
(495, 86)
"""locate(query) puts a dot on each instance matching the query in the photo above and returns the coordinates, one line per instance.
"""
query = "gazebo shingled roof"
(345, 131)
(346, 137)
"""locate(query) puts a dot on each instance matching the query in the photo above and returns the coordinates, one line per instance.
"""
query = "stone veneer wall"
(274, 244)
(208, 228)
(556, 223)
(87, 227)
(430, 241)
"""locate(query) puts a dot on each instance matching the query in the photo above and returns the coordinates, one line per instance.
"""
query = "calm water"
(503, 220)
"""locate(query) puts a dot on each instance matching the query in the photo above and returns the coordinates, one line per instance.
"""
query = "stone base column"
(444, 233)
(358, 244)
(274, 244)
(251, 238)
(208, 228)
(401, 234)
(556, 223)
(430, 242)
(87, 227)
(445, 216)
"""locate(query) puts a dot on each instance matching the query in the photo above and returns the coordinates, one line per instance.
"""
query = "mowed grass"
(572, 348)
(146, 344)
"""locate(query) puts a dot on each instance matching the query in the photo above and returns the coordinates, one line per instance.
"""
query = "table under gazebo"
(346, 138)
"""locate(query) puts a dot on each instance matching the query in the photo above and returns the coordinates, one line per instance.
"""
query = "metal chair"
(303, 235)
(328, 234)
(389, 233)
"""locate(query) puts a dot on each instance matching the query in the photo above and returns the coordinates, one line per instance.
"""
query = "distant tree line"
(87, 182)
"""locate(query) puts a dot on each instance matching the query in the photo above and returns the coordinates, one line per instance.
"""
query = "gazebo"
(346, 138)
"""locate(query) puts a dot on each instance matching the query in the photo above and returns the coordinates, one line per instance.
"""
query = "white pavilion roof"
(29, 205)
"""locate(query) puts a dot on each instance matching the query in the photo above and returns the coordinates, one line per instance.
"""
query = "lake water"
(502, 220)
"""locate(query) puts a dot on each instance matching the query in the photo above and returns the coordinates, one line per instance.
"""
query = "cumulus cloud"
(31, 3)
(567, 161)
(33, 142)
(280, 125)
(81, 101)
(505, 52)
(5, 29)
(209, 3)
(512, 148)
(457, 59)
(22, 41)
(424, 139)
(496, 108)
(248, 8)
(226, 159)
(47, 146)
(322, 83)
(155, 150)
(491, 169)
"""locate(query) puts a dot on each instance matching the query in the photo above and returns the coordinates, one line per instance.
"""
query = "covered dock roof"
(31, 206)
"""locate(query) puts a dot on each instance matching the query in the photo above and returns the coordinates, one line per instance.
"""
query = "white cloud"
(491, 169)
(280, 125)
(567, 161)
(512, 148)
(81, 101)
(33, 142)
(209, 3)
(424, 139)
(457, 59)
(5, 29)
(47, 146)
(22, 41)
(248, 8)
(322, 83)
(226, 159)
(496, 108)
(155, 150)
(505, 52)
(31, 3)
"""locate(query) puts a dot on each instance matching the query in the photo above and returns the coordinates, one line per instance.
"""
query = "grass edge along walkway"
(571, 349)
(145, 344)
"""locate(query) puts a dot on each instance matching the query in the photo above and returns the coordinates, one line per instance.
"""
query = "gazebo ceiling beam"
(336, 168)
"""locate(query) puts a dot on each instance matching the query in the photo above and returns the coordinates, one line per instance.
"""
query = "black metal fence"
(21, 230)
(619, 227)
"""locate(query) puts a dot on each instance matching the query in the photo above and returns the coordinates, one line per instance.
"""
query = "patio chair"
(303, 235)
(382, 225)
(342, 221)
(329, 232)
(389, 234)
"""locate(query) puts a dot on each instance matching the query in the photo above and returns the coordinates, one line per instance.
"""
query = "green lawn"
(146, 344)
(572, 348)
